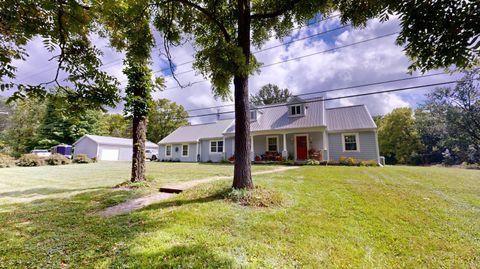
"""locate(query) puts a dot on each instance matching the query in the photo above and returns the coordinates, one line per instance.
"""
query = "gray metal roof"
(275, 117)
(349, 118)
(109, 140)
(193, 133)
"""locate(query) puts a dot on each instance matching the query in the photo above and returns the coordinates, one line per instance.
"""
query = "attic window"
(253, 115)
(296, 110)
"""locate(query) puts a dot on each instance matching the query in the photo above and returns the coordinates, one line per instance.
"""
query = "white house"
(107, 148)
(298, 130)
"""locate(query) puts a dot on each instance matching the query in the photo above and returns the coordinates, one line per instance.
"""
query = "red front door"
(301, 148)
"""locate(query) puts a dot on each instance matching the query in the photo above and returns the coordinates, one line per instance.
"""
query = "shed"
(107, 148)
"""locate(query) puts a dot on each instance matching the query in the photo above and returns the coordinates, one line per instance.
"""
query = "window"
(296, 110)
(350, 142)
(184, 150)
(168, 150)
(253, 115)
(272, 143)
(216, 146)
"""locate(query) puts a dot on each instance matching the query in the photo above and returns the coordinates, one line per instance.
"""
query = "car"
(41, 152)
(151, 154)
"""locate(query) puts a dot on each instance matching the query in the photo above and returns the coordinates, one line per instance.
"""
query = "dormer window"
(253, 115)
(297, 110)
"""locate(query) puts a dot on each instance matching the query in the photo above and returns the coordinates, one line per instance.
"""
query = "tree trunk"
(242, 177)
(138, 158)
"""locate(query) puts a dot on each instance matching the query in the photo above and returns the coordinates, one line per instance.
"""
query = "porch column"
(252, 150)
(325, 146)
(224, 151)
(284, 150)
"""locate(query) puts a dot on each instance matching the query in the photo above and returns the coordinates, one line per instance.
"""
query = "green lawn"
(408, 217)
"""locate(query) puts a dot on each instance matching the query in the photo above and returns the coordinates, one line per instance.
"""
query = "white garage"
(107, 148)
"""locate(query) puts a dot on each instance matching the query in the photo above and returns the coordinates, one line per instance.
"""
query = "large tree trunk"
(242, 177)
(138, 158)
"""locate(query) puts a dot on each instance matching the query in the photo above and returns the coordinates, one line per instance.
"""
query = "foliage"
(368, 163)
(23, 132)
(5, 112)
(258, 197)
(30, 160)
(57, 159)
(315, 154)
(349, 161)
(115, 125)
(312, 162)
(6, 161)
(165, 117)
(397, 136)
(270, 94)
(82, 158)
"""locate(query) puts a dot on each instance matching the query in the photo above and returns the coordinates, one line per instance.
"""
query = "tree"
(165, 117)
(5, 112)
(23, 132)
(397, 136)
(453, 119)
(224, 32)
(270, 94)
(62, 124)
(115, 125)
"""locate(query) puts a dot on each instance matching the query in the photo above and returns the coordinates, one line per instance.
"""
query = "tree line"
(31, 123)
(445, 128)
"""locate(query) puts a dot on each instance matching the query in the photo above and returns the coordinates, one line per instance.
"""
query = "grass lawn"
(353, 217)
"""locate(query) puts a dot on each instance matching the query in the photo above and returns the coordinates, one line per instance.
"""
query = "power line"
(338, 89)
(296, 58)
(344, 97)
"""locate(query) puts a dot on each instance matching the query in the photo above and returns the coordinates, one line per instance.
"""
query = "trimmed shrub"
(369, 163)
(349, 161)
(57, 159)
(312, 162)
(82, 158)
(6, 161)
(30, 160)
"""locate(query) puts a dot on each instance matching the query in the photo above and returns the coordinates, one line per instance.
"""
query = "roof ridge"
(205, 123)
(343, 107)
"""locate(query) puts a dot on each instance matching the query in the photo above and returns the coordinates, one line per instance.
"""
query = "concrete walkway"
(135, 204)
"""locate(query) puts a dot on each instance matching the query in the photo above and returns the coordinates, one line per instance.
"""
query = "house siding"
(367, 143)
(192, 152)
(229, 146)
(206, 155)
(86, 146)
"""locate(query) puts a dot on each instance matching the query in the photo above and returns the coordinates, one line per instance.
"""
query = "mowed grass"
(349, 217)
(24, 184)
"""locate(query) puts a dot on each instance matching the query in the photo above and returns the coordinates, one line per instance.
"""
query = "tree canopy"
(165, 117)
(270, 94)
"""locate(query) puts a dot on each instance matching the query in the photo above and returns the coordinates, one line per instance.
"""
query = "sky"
(307, 64)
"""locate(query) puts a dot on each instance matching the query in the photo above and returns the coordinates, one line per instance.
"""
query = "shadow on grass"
(203, 195)
(43, 191)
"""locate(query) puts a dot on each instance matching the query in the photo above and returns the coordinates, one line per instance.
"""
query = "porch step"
(170, 190)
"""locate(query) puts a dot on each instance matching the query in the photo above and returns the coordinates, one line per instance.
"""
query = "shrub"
(315, 154)
(369, 163)
(258, 197)
(258, 158)
(30, 160)
(312, 162)
(224, 161)
(82, 158)
(232, 158)
(349, 161)
(288, 162)
(6, 161)
(57, 159)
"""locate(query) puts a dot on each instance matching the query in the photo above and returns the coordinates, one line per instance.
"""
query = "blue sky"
(373, 61)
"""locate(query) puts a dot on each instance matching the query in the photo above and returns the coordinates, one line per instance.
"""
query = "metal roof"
(193, 133)
(276, 117)
(349, 118)
(109, 140)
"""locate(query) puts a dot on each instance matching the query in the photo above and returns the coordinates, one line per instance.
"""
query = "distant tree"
(164, 118)
(62, 124)
(270, 94)
(378, 120)
(397, 136)
(23, 132)
(5, 112)
(115, 125)
(450, 119)
(433, 134)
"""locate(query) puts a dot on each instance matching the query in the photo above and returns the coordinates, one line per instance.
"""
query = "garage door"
(109, 155)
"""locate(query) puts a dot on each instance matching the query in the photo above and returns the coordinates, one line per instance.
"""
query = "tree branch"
(285, 8)
(209, 15)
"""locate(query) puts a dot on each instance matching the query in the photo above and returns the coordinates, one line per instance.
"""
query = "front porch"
(296, 145)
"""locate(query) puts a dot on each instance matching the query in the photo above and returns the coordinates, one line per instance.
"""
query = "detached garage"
(107, 148)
